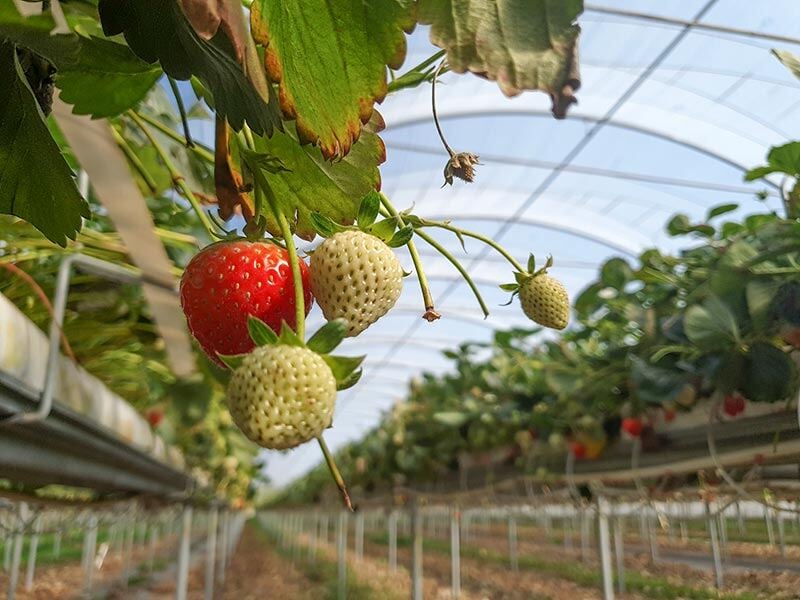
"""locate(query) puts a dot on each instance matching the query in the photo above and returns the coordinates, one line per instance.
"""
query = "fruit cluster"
(241, 304)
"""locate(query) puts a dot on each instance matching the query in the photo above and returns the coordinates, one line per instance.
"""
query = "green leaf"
(384, 229)
(157, 30)
(106, 80)
(712, 325)
(324, 226)
(781, 159)
(288, 337)
(402, 237)
(531, 263)
(328, 336)
(760, 295)
(678, 225)
(522, 45)
(368, 209)
(721, 210)
(350, 380)
(451, 418)
(36, 184)
(509, 287)
(329, 60)
(769, 373)
(616, 273)
(343, 368)
(313, 184)
(34, 32)
(232, 361)
(260, 332)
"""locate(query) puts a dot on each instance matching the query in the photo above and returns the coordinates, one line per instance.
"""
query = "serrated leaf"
(402, 237)
(347, 46)
(159, 31)
(521, 45)
(260, 332)
(368, 209)
(384, 229)
(328, 336)
(34, 32)
(232, 361)
(106, 79)
(324, 226)
(712, 325)
(288, 337)
(36, 184)
(343, 367)
(313, 184)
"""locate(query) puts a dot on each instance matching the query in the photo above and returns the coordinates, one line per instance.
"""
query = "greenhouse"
(475, 299)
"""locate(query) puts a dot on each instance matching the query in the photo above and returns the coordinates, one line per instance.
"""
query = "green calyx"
(523, 276)
(366, 221)
(346, 369)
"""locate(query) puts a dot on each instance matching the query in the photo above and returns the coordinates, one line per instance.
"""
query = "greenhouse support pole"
(211, 552)
(16, 558)
(416, 552)
(584, 524)
(604, 543)
(90, 550)
(34, 546)
(567, 533)
(7, 546)
(392, 525)
(652, 534)
(739, 517)
(359, 533)
(512, 543)
(57, 543)
(715, 553)
(341, 555)
(455, 551)
(313, 539)
(223, 547)
(127, 568)
(182, 583)
(781, 534)
(723, 536)
(619, 551)
(151, 547)
(770, 528)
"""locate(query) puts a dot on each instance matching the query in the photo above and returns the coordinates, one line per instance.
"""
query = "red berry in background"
(734, 404)
(226, 282)
(578, 449)
(154, 416)
(632, 426)
(669, 415)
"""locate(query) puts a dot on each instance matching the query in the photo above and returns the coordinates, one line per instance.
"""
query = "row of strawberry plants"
(719, 320)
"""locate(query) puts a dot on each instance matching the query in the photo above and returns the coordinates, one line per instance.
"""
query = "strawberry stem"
(337, 476)
(198, 149)
(177, 178)
(459, 267)
(427, 298)
(433, 108)
(182, 110)
(482, 238)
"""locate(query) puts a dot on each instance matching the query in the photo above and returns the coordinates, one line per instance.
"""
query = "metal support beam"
(416, 552)
(184, 556)
(455, 551)
(211, 552)
(605, 548)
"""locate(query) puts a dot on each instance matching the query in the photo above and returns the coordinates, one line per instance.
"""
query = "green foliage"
(50, 200)
(323, 86)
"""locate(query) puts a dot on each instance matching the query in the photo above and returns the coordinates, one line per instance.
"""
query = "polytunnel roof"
(674, 106)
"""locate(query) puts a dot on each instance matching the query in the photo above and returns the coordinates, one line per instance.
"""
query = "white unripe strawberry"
(355, 276)
(281, 396)
(545, 301)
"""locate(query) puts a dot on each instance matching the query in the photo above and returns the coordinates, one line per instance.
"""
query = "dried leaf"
(227, 180)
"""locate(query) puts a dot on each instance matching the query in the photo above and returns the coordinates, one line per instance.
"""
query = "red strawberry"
(578, 449)
(154, 416)
(632, 426)
(227, 281)
(669, 415)
(734, 404)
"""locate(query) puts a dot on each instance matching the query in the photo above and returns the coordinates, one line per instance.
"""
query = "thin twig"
(182, 110)
(337, 476)
(198, 149)
(427, 298)
(433, 107)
